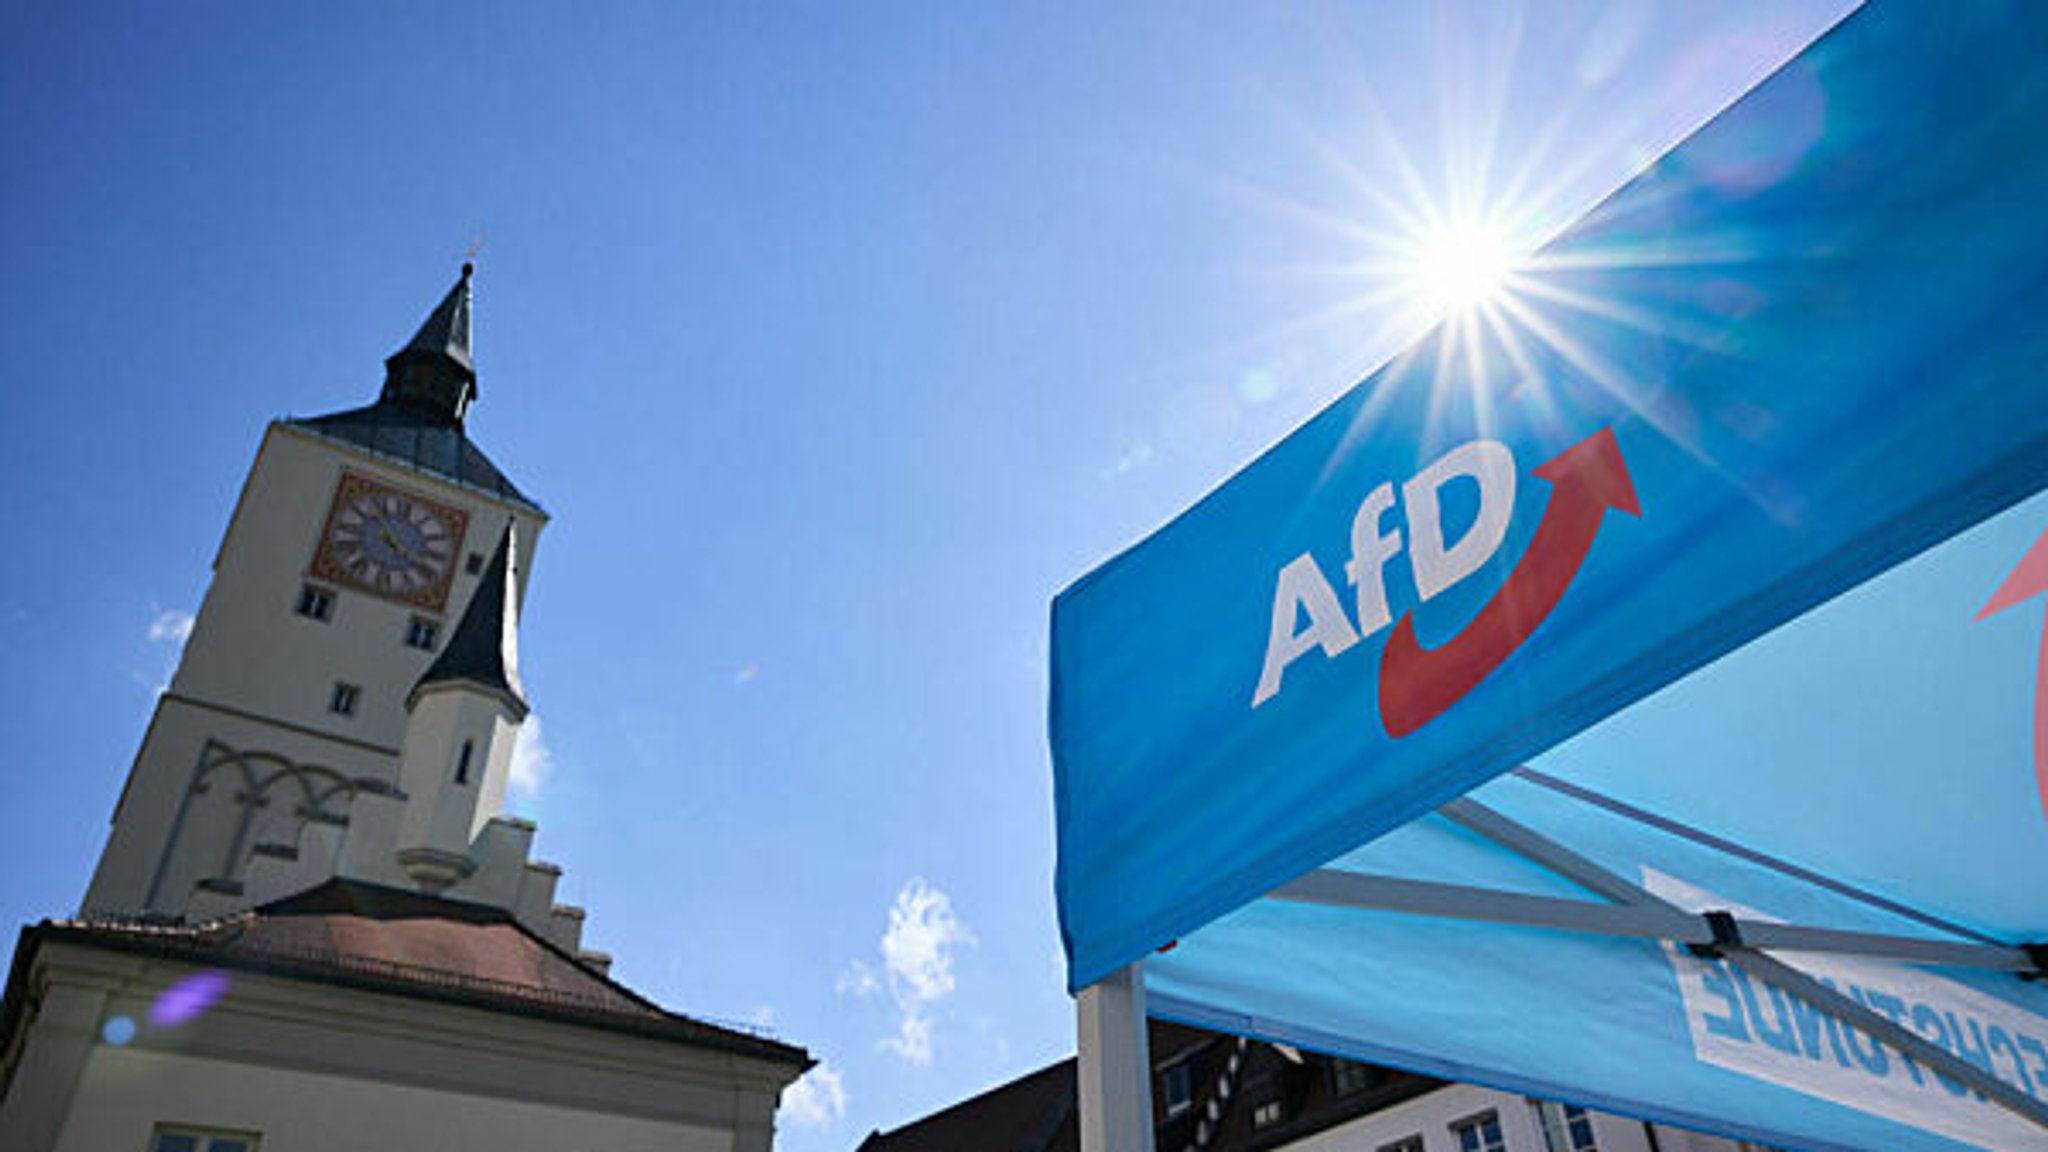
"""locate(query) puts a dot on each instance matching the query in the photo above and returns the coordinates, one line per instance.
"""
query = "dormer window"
(1176, 1088)
(1348, 1076)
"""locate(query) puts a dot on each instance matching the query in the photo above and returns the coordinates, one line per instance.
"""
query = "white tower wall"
(251, 698)
(450, 797)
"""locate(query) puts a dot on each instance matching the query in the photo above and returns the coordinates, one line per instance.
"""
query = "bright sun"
(1463, 267)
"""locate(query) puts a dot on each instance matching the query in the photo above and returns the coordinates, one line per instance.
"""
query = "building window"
(1176, 1088)
(462, 762)
(1348, 1076)
(474, 564)
(1480, 1133)
(343, 702)
(200, 1140)
(1404, 1144)
(315, 602)
(1566, 1127)
(421, 633)
(1267, 1113)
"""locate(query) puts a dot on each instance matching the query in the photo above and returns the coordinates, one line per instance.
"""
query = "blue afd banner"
(1902, 796)
(1802, 347)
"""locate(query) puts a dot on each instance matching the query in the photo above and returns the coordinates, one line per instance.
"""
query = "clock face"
(390, 542)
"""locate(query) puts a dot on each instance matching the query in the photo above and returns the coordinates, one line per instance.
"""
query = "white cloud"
(170, 627)
(763, 1016)
(858, 980)
(817, 1099)
(913, 1038)
(531, 762)
(918, 948)
(917, 956)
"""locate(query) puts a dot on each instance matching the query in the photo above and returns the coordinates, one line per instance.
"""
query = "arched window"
(462, 762)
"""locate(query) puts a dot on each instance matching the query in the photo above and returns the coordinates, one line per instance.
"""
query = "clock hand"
(396, 545)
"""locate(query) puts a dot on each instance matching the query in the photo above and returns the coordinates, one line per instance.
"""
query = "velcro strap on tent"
(1727, 934)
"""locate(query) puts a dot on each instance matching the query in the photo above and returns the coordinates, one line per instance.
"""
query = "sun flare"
(1463, 267)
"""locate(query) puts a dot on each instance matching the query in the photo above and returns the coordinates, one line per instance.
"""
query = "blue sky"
(835, 338)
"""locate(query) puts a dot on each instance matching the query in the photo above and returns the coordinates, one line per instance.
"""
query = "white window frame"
(1554, 1119)
(1479, 1121)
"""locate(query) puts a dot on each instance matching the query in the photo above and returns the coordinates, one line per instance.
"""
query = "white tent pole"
(1115, 1066)
(1543, 850)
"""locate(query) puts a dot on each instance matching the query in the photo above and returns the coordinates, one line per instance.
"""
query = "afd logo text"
(1416, 684)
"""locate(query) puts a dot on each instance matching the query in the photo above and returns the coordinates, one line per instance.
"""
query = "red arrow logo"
(1417, 685)
(2028, 580)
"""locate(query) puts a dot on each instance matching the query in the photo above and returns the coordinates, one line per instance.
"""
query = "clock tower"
(313, 728)
(313, 925)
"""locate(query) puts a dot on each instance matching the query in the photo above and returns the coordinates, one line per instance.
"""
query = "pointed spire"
(433, 374)
(483, 651)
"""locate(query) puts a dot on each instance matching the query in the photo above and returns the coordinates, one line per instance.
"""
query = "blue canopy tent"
(1289, 728)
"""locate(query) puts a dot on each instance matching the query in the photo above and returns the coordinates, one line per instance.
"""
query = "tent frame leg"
(1527, 842)
(1115, 1064)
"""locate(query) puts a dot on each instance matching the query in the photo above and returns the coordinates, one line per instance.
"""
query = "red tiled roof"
(406, 943)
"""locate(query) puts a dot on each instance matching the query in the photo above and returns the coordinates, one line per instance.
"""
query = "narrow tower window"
(421, 633)
(474, 564)
(315, 602)
(462, 762)
(343, 702)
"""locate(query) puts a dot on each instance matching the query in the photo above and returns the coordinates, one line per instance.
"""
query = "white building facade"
(1468, 1118)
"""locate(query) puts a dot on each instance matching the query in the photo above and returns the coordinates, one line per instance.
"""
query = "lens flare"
(188, 998)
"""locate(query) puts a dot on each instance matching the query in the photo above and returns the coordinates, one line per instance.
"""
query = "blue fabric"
(1883, 745)
(1629, 1026)
(1814, 332)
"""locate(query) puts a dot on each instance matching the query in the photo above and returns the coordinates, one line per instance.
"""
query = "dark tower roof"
(483, 651)
(432, 374)
(428, 387)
